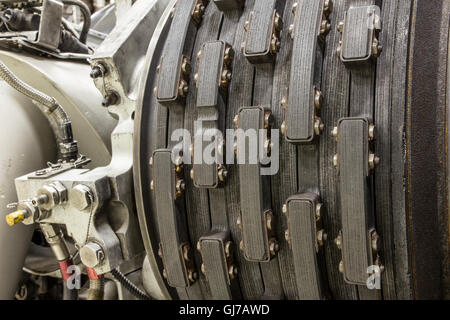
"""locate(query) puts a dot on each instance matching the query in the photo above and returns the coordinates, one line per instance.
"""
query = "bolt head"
(335, 161)
(287, 236)
(283, 128)
(228, 248)
(341, 267)
(321, 237)
(236, 120)
(274, 247)
(81, 197)
(335, 132)
(92, 254)
(232, 272)
(372, 132)
(319, 208)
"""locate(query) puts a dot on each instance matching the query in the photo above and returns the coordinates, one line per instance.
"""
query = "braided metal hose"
(56, 114)
(131, 287)
(25, 89)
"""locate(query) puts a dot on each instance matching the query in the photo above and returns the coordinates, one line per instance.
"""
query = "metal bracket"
(214, 75)
(355, 163)
(305, 236)
(168, 187)
(263, 38)
(302, 117)
(175, 67)
(225, 5)
(212, 79)
(256, 221)
(218, 265)
(360, 28)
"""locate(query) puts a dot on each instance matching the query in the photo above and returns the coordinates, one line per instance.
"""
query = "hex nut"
(81, 197)
(56, 194)
(92, 254)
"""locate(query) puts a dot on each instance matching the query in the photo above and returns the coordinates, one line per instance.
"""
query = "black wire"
(86, 17)
(124, 281)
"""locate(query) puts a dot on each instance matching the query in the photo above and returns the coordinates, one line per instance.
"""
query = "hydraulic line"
(55, 239)
(86, 17)
(127, 284)
(68, 146)
(96, 285)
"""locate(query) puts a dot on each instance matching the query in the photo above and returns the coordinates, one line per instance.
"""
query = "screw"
(284, 103)
(186, 66)
(269, 222)
(239, 222)
(341, 266)
(222, 173)
(278, 22)
(338, 242)
(328, 7)
(375, 242)
(373, 161)
(318, 126)
(318, 99)
(274, 247)
(232, 272)
(228, 248)
(335, 161)
(236, 120)
(268, 120)
(283, 128)
(229, 55)
(180, 187)
(287, 236)
(321, 237)
(372, 132)
(335, 132)
(340, 26)
(319, 207)
(187, 253)
(183, 88)
(246, 25)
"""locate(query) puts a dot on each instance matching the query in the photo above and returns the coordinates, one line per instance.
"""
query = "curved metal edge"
(426, 149)
(159, 289)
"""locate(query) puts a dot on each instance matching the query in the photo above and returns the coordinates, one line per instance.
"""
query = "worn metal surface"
(301, 105)
(302, 234)
(218, 264)
(254, 209)
(353, 166)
